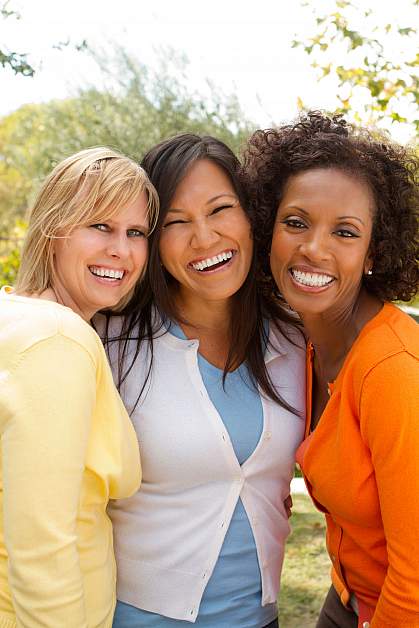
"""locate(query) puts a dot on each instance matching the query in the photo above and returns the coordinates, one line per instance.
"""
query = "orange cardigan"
(361, 466)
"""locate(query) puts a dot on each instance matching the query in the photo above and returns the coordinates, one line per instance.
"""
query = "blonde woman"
(67, 444)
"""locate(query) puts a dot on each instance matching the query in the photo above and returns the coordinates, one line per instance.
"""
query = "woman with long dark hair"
(213, 371)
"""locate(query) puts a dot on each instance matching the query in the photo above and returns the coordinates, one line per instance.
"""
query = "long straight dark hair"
(166, 165)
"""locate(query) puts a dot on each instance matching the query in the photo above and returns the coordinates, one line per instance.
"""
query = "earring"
(369, 272)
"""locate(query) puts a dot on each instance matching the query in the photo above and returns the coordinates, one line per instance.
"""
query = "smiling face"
(206, 242)
(97, 265)
(321, 241)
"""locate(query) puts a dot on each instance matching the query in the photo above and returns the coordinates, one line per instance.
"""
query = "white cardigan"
(168, 535)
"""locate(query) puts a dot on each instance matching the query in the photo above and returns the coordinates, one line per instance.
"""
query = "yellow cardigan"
(67, 447)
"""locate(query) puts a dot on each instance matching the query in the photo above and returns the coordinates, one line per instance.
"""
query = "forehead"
(204, 179)
(328, 188)
(133, 207)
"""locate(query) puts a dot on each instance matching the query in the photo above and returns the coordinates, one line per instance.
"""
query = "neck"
(209, 322)
(59, 295)
(334, 333)
(213, 316)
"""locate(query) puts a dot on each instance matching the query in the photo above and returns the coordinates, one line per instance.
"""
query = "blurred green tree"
(16, 61)
(349, 45)
(10, 253)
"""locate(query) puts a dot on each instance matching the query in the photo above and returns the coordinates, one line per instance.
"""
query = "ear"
(368, 264)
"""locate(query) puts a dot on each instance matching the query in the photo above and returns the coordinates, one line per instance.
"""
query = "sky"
(242, 46)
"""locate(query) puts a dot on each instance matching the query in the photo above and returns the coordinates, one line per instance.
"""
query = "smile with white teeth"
(107, 273)
(314, 280)
(212, 261)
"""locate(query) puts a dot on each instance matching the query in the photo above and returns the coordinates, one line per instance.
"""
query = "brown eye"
(294, 223)
(346, 233)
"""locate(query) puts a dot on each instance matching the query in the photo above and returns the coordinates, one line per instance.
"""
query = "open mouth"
(213, 263)
(311, 280)
(107, 273)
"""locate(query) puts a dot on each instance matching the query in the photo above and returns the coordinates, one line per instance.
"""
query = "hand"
(288, 506)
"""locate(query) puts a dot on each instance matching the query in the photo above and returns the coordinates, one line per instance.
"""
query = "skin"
(120, 243)
(323, 227)
(205, 219)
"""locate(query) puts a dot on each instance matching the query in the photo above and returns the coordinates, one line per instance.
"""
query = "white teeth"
(106, 272)
(211, 261)
(311, 279)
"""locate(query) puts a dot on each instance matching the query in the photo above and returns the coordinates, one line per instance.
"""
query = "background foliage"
(135, 106)
(16, 61)
(349, 45)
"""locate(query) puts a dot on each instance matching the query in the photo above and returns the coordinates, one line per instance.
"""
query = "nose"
(203, 235)
(118, 246)
(315, 246)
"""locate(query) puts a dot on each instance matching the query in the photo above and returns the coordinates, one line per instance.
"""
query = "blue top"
(232, 597)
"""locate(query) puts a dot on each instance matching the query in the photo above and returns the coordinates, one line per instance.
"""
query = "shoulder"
(285, 356)
(109, 327)
(26, 322)
(287, 339)
(387, 335)
(385, 356)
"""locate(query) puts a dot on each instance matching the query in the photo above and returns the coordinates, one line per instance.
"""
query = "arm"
(52, 395)
(390, 424)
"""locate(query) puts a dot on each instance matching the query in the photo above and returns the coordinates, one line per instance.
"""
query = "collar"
(277, 343)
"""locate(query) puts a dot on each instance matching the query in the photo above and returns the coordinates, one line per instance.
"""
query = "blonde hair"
(90, 186)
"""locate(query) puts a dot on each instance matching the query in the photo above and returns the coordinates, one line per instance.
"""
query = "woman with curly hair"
(335, 212)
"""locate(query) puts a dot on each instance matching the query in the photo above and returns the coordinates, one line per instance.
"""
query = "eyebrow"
(215, 198)
(352, 218)
(133, 226)
(306, 213)
(174, 210)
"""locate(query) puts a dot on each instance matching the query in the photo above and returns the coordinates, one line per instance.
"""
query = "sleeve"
(390, 422)
(44, 442)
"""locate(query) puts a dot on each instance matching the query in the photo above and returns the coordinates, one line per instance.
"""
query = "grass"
(306, 573)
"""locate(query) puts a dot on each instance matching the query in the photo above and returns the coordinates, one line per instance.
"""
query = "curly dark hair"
(318, 140)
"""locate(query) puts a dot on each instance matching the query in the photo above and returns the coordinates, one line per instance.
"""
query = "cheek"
(277, 248)
(170, 249)
(141, 256)
(62, 254)
(242, 232)
(248, 241)
(172, 255)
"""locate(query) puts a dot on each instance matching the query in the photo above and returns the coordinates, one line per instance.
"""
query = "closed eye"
(174, 222)
(220, 208)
